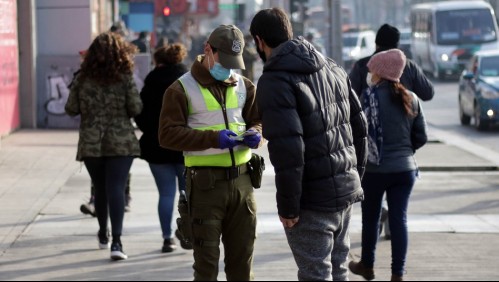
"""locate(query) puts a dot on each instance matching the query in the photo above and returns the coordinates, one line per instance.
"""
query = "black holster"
(184, 221)
(256, 166)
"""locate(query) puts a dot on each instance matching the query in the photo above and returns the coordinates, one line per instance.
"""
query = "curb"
(459, 168)
(437, 135)
(466, 145)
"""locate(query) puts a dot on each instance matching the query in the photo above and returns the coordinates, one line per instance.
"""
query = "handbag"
(256, 166)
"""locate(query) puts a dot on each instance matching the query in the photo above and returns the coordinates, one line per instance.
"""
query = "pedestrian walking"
(89, 207)
(167, 166)
(210, 113)
(317, 132)
(143, 42)
(106, 97)
(413, 79)
(397, 129)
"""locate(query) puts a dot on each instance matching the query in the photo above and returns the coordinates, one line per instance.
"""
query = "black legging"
(109, 175)
(127, 188)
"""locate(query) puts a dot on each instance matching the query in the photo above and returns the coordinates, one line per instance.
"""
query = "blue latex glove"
(252, 140)
(225, 141)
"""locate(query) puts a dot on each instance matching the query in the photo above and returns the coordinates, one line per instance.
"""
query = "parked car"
(479, 90)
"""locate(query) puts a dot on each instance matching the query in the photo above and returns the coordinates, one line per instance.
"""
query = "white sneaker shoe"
(117, 252)
(104, 243)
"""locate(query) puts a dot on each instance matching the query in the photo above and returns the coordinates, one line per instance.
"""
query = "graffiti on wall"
(54, 77)
(58, 95)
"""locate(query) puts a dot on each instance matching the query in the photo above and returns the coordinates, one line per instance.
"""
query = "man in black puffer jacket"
(317, 143)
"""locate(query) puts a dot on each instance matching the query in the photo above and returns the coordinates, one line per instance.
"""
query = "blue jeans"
(109, 176)
(398, 188)
(166, 176)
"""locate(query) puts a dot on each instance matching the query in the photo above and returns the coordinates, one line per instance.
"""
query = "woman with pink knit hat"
(397, 128)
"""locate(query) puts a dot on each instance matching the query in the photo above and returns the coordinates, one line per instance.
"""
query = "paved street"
(453, 214)
(443, 114)
(453, 221)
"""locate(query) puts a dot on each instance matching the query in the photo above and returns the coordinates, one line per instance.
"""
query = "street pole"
(235, 11)
(335, 31)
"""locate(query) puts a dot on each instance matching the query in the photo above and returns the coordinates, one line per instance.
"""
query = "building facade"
(41, 48)
(9, 67)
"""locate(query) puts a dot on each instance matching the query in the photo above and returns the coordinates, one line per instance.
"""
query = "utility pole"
(335, 31)
(235, 10)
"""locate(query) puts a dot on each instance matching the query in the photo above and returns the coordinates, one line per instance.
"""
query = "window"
(465, 27)
(489, 66)
(350, 40)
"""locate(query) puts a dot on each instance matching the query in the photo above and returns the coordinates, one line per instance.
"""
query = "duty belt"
(221, 173)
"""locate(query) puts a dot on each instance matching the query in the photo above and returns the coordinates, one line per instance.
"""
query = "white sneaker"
(117, 252)
(104, 243)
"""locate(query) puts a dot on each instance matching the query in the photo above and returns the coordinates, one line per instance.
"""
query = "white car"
(357, 45)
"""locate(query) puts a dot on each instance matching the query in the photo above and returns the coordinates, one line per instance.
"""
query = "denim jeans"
(398, 188)
(320, 243)
(109, 176)
(166, 176)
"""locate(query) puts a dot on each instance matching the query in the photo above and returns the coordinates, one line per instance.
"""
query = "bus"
(445, 35)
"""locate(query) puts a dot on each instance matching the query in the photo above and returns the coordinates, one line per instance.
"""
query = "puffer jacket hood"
(297, 55)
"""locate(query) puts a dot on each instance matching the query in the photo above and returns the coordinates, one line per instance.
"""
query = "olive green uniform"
(220, 200)
(227, 208)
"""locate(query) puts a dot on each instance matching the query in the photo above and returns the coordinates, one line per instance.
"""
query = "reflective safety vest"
(206, 113)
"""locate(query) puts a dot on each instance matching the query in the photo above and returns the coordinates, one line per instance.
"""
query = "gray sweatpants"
(320, 243)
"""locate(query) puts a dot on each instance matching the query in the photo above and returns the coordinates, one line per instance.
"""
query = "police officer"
(210, 113)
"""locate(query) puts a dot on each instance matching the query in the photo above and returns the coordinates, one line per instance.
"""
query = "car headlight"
(445, 58)
(489, 93)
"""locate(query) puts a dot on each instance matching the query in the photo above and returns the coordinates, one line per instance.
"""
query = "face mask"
(369, 79)
(260, 52)
(220, 73)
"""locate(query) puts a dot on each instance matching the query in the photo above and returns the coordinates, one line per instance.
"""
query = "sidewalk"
(453, 221)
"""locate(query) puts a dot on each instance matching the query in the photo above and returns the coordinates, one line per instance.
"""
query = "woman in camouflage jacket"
(105, 96)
